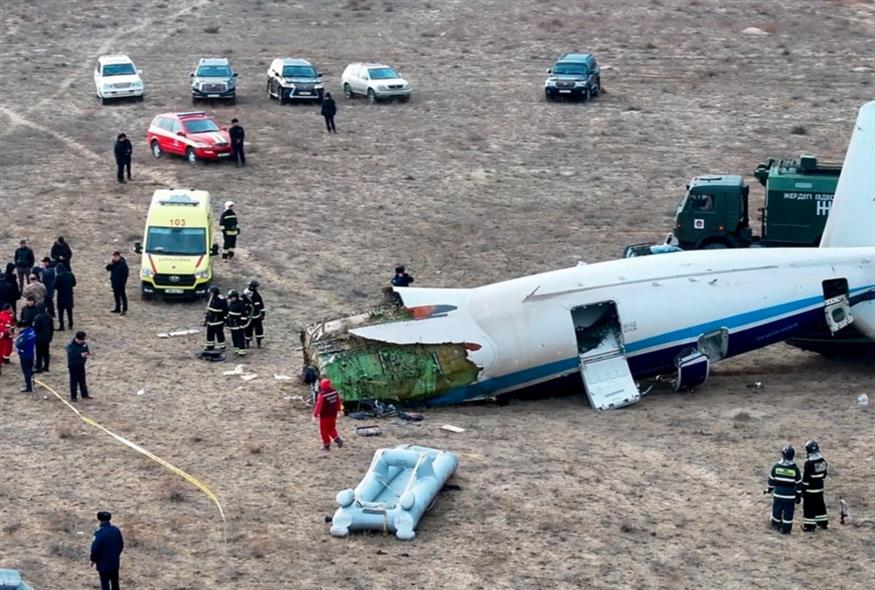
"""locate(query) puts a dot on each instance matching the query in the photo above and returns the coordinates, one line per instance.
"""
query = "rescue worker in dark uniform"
(785, 481)
(238, 155)
(107, 545)
(214, 320)
(237, 319)
(813, 473)
(122, 150)
(230, 230)
(256, 314)
(401, 278)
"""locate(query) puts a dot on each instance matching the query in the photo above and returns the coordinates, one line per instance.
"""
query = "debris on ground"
(756, 385)
(755, 31)
(279, 377)
(177, 333)
(451, 428)
(369, 430)
(249, 376)
(211, 356)
(238, 370)
(862, 400)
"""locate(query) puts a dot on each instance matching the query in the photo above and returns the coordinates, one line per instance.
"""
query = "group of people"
(242, 314)
(48, 293)
(790, 486)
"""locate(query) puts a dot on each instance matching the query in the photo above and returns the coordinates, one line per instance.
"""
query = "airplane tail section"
(851, 220)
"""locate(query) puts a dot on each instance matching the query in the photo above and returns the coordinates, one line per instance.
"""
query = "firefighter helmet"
(788, 452)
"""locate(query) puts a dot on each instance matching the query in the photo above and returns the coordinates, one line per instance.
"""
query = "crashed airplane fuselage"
(615, 321)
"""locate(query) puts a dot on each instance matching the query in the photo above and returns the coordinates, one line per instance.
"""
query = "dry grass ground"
(476, 179)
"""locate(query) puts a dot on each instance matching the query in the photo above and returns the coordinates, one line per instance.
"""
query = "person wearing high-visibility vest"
(785, 481)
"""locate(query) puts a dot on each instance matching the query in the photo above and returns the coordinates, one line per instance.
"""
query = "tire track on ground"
(107, 46)
(80, 149)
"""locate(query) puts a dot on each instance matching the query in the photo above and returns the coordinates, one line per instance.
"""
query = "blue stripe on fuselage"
(662, 360)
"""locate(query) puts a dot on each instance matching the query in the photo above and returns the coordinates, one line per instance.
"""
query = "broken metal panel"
(693, 369)
(362, 368)
(608, 382)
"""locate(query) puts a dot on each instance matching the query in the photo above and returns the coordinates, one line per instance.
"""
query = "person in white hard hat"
(230, 230)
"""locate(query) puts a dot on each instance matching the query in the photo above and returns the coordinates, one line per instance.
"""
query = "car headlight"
(202, 274)
(550, 82)
(106, 85)
(201, 146)
(580, 83)
(146, 273)
(381, 88)
(319, 86)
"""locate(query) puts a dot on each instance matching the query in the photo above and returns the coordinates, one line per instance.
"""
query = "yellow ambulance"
(177, 246)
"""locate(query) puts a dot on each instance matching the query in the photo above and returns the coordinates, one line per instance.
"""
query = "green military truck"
(714, 213)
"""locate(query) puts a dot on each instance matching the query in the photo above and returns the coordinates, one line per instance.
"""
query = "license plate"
(305, 93)
(174, 291)
(564, 92)
(212, 96)
(223, 155)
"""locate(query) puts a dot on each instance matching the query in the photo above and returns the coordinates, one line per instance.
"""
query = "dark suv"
(574, 75)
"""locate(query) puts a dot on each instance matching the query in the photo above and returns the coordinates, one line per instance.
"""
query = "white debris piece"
(451, 428)
(238, 370)
(249, 376)
(141, 392)
(862, 400)
(178, 333)
(754, 31)
(279, 377)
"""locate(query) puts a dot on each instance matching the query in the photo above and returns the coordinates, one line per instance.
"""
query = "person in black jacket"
(123, 150)
(44, 327)
(230, 230)
(813, 475)
(107, 545)
(785, 481)
(236, 320)
(255, 305)
(29, 311)
(401, 278)
(48, 278)
(237, 134)
(23, 263)
(9, 292)
(77, 356)
(64, 283)
(61, 252)
(214, 320)
(118, 278)
(329, 109)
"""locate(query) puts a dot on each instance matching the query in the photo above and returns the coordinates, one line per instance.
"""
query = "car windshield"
(182, 241)
(382, 74)
(119, 69)
(298, 72)
(571, 69)
(213, 72)
(201, 126)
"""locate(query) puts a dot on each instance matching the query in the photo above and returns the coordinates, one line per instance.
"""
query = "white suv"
(116, 76)
(376, 81)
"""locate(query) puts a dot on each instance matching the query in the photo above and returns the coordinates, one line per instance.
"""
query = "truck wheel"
(347, 91)
(191, 156)
(597, 87)
(156, 149)
(715, 246)
(102, 101)
(145, 296)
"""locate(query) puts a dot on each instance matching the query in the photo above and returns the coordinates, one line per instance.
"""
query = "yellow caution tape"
(187, 477)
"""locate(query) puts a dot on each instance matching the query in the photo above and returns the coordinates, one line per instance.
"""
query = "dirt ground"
(477, 179)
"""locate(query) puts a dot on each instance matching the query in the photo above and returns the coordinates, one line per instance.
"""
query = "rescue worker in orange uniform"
(326, 409)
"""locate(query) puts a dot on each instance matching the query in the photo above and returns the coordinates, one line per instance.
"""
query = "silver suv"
(213, 78)
(289, 78)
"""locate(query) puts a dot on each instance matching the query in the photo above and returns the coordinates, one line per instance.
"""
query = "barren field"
(477, 179)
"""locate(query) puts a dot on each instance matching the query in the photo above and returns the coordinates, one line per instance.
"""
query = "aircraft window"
(702, 202)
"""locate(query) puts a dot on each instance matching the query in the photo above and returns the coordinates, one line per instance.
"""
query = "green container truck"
(714, 213)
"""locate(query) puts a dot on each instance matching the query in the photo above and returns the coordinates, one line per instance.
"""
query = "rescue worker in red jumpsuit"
(7, 333)
(326, 408)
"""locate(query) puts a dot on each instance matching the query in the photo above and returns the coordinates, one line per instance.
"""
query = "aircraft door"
(603, 366)
(837, 304)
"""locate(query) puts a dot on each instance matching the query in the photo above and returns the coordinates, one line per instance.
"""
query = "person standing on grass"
(7, 332)
(326, 408)
(35, 289)
(25, 345)
(123, 150)
(329, 109)
(44, 328)
(77, 356)
(107, 545)
(24, 260)
(47, 276)
(238, 155)
(61, 252)
(65, 281)
(118, 278)
(230, 230)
